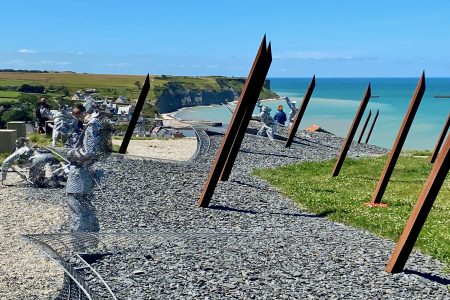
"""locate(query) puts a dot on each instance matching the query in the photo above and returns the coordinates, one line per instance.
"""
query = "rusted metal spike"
(364, 127)
(440, 140)
(252, 99)
(420, 212)
(399, 141)
(135, 116)
(351, 133)
(260, 63)
(372, 126)
(300, 112)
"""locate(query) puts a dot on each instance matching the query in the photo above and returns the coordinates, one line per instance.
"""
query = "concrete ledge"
(19, 126)
(8, 139)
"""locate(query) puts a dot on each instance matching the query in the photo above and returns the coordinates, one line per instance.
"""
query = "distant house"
(122, 100)
(125, 112)
(90, 91)
(78, 96)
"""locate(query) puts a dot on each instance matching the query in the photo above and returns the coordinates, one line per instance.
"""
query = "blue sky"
(327, 38)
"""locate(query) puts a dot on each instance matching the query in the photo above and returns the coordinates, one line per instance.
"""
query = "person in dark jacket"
(280, 116)
(43, 114)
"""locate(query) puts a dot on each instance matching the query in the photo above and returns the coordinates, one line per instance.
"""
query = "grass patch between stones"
(342, 198)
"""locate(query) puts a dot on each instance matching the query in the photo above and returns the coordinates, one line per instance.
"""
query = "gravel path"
(25, 273)
(252, 243)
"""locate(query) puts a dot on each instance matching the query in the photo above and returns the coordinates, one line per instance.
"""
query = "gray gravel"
(252, 243)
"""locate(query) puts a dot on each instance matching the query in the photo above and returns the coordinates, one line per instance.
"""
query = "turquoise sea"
(336, 100)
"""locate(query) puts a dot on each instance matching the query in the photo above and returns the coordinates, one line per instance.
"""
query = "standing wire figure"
(67, 125)
(292, 112)
(95, 143)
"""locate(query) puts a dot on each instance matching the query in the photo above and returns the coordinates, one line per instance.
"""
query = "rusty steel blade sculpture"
(399, 141)
(301, 111)
(226, 172)
(364, 127)
(420, 212)
(135, 116)
(372, 126)
(247, 101)
(351, 133)
(440, 140)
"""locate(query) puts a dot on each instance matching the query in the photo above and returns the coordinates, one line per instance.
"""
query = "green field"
(115, 85)
(342, 198)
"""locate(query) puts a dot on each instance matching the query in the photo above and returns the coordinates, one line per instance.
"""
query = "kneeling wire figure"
(269, 126)
(40, 162)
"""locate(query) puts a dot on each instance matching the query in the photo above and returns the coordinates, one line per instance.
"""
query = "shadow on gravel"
(254, 212)
(251, 185)
(428, 276)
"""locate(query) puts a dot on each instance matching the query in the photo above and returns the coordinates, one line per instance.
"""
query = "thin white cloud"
(27, 51)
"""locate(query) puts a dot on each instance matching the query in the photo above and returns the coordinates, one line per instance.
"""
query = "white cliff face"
(177, 95)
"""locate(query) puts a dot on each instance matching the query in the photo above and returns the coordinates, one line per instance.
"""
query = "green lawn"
(9, 94)
(8, 101)
(342, 198)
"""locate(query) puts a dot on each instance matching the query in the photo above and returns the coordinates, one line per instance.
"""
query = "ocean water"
(335, 101)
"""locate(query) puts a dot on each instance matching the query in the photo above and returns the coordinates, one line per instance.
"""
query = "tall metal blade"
(421, 210)
(372, 126)
(135, 116)
(399, 141)
(351, 133)
(440, 140)
(252, 100)
(300, 112)
(259, 65)
(364, 127)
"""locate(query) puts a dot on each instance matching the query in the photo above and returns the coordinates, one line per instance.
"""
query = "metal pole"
(226, 172)
(420, 212)
(135, 116)
(364, 127)
(351, 133)
(299, 115)
(251, 89)
(372, 126)
(399, 141)
(440, 140)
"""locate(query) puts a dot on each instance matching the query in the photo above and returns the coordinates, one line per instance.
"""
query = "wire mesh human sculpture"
(44, 169)
(269, 126)
(292, 112)
(94, 144)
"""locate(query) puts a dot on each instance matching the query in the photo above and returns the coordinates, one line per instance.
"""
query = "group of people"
(66, 122)
(270, 124)
(93, 143)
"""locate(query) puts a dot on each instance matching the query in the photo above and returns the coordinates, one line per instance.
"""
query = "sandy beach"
(172, 149)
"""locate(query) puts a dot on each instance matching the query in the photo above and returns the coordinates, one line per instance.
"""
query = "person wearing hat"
(42, 114)
(280, 116)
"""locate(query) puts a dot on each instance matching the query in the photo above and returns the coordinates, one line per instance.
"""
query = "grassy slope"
(112, 85)
(342, 198)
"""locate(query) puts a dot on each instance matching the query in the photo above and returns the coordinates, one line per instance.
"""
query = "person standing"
(42, 114)
(280, 116)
